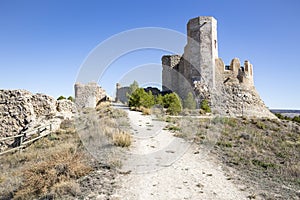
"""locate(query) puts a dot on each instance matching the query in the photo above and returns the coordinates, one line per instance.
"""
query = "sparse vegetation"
(71, 98)
(282, 117)
(61, 98)
(122, 139)
(55, 173)
(146, 111)
(52, 166)
(46, 167)
(205, 106)
(173, 128)
(265, 150)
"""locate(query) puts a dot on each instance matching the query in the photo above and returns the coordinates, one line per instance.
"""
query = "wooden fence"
(23, 139)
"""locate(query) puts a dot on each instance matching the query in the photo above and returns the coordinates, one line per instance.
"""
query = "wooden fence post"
(22, 139)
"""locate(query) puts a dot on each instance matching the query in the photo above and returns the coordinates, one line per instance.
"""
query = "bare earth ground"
(161, 166)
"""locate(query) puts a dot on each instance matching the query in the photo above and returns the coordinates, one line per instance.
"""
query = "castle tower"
(202, 50)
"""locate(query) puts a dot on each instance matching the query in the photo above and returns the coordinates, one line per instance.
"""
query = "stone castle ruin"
(229, 89)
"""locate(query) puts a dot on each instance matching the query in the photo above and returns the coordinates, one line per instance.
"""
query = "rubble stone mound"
(21, 110)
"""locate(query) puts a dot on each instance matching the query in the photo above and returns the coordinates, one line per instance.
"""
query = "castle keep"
(229, 89)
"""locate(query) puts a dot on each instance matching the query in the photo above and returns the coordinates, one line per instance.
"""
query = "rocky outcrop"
(21, 110)
(16, 111)
(65, 105)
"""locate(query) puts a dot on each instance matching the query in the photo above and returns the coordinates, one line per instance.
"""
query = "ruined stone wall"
(175, 75)
(121, 93)
(234, 73)
(235, 94)
(88, 95)
(21, 110)
(170, 72)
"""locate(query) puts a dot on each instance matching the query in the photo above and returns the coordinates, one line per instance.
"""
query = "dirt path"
(161, 166)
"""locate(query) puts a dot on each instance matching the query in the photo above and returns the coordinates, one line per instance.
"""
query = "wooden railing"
(21, 139)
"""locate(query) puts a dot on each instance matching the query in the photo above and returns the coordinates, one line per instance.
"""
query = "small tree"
(189, 102)
(135, 98)
(172, 103)
(147, 100)
(205, 106)
(61, 98)
(159, 100)
(141, 98)
(132, 87)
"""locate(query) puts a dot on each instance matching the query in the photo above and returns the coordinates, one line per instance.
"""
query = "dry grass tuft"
(65, 188)
(145, 111)
(122, 139)
(45, 176)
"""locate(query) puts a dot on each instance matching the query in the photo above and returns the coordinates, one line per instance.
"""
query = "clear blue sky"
(44, 43)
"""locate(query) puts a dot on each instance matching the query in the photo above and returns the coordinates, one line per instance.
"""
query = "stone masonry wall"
(21, 110)
(88, 95)
(121, 93)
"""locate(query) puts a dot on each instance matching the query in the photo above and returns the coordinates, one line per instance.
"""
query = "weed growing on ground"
(122, 139)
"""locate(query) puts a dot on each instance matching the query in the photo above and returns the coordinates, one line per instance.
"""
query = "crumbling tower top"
(202, 49)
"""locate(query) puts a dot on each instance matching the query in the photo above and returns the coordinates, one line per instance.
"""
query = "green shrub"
(205, 106)
(224, 144)
(172, 103)
(296, 119)
(61, 98)
(260, 125)
(159, 100)
(189, 102)
(173, 128)
(148, 100)
(132, 87)
(282, 117)
(265, 165)
(140, 98)
(71, 98)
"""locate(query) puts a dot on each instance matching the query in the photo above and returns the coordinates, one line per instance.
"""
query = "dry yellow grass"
(145, 111)
(122, 139)
(51, 164)
(47, 175)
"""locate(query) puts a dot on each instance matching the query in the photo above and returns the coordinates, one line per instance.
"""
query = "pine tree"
(189, 102)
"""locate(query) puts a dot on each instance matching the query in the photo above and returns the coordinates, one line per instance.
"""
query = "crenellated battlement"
(234, 72)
